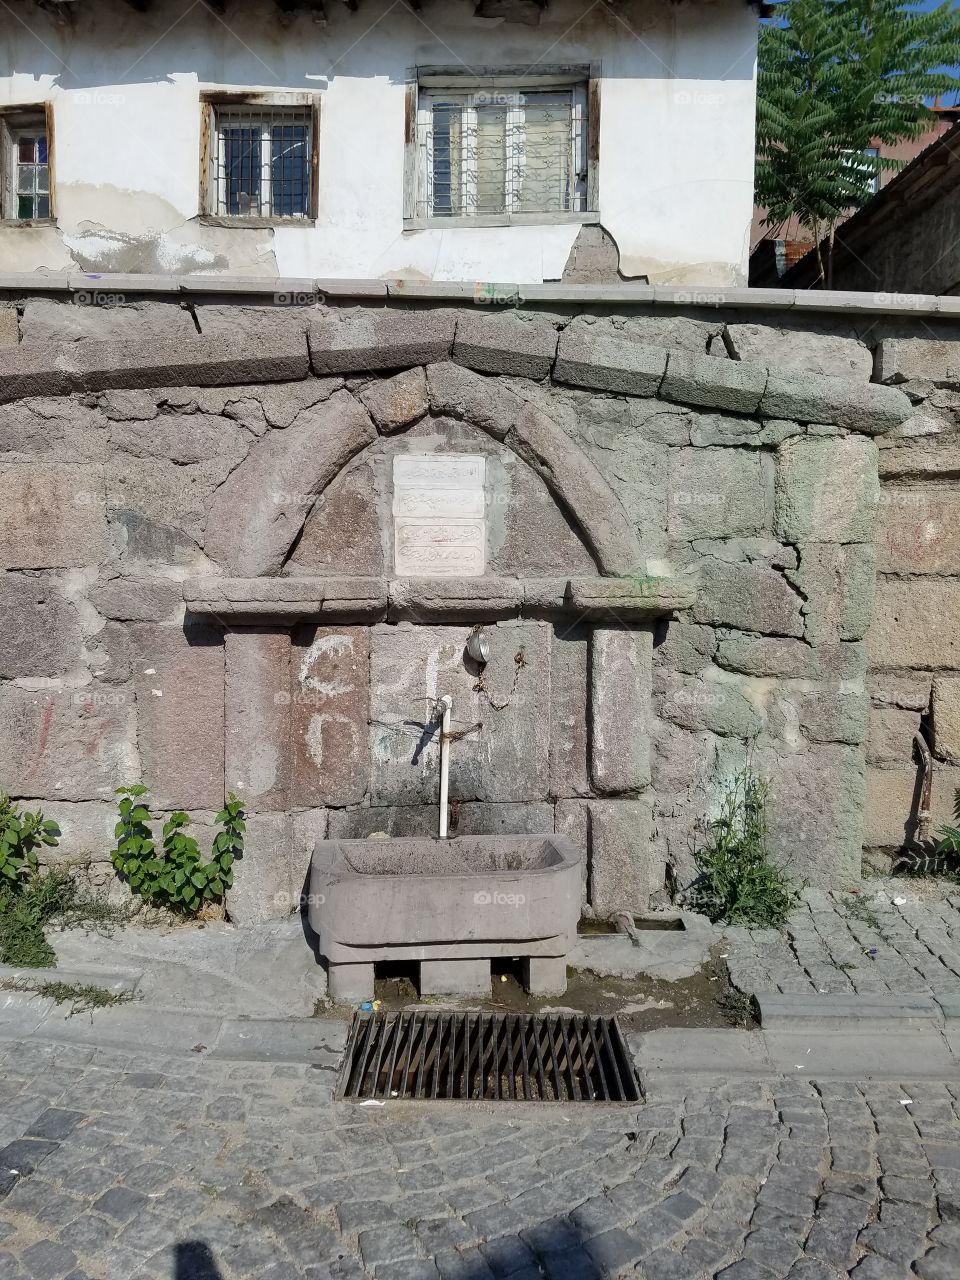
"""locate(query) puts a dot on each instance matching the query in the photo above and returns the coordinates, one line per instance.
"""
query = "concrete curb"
(113, 980)
(789, 1011)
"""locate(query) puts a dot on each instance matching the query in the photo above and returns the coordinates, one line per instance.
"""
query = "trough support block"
(455, 977)
(350, 982)
(545, 975)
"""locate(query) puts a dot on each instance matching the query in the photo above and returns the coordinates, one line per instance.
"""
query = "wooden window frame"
(14, 119)
(509, 79)
(210, 100)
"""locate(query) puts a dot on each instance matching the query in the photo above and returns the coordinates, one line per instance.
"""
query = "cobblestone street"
(884, 939)
(124, 1166)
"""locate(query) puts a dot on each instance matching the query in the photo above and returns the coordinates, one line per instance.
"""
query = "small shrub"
(738, 883)
(946, 855)
(23, 940)
(21, 835)
(175, 876)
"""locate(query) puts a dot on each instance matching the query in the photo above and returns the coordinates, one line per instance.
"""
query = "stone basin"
(452, 905)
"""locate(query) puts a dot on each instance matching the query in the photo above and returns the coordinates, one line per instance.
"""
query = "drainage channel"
(489, 1057)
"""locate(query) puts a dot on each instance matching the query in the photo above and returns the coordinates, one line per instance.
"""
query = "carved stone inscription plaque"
(438, 515)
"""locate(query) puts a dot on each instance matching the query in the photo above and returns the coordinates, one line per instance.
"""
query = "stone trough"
(452, 905)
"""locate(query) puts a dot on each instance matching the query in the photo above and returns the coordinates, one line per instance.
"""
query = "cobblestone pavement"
(886, 939)
(193, 1169)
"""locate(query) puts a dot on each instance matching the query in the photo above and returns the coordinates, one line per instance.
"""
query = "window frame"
(16, 119)
(210, 101)
(507, 80)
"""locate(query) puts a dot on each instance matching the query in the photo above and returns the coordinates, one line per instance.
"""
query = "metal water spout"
(444, 706)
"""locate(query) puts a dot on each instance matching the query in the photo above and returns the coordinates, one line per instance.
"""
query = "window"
(26, 195)
(500, 152)
(261, 160)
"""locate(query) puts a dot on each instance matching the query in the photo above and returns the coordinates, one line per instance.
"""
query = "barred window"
(26, 168)
(261, 162)
(502, 151)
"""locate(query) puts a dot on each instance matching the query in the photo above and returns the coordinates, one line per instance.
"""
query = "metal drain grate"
(488, 1056)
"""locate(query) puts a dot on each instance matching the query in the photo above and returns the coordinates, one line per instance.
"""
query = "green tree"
(837, 77)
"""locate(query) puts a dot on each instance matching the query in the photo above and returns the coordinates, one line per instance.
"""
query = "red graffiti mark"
(91, 747)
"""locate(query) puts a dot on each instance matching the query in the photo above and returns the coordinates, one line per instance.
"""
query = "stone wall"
(198, 586)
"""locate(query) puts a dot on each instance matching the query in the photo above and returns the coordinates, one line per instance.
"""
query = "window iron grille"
(261, 162)
(519, 152)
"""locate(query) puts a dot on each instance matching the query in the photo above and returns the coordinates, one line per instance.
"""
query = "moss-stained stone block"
(620, 687)
(52, 516)
(749, 597)
(838, 585)
(178, 673)
(330, 692)
(718, 705)
(67, 744)
(827, 714)
(257, 716)
(718, 493)
(827, 490)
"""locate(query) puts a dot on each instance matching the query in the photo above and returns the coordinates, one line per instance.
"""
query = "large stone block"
(396, 402)
(686, 647)
(916, 625)
(71, 744)
(827, 490)
(749, 597)
(838, 355)
(463, 394)
(569, 714)
(586, 359)
(623, 870)
(838, 584)
(330, 691)
(263, 876)
(40, 635)
(51, 516)
(505, 343)
(815, 812)
(946, 717)
(890, 736)
(32, 371)
(257, 716)
(178, 674)
(719, 706)
(49, 320)
(357, 340)
(580, 488)
(892, 804)
(828, 714)
(501, 752)
(767, 656)
(919, 531)
(810, 397)
(716, 384)
(343, 534)
(621, 664)
(258, 512)
(930, 359)
(718, 493)
(136, 599)
(203, 362)
(183, 438)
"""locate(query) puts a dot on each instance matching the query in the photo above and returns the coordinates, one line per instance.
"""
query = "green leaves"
(177, 876)
(21, 835)
(835, 79)
(738, 884)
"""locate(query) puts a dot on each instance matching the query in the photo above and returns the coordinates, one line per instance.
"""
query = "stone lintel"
(483, 599)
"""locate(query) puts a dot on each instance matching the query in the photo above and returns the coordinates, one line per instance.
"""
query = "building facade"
(514, 141)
